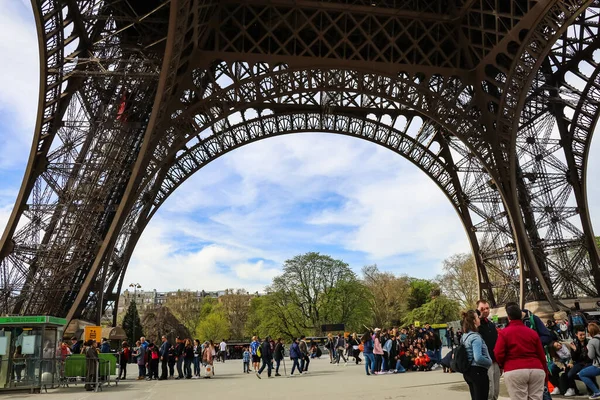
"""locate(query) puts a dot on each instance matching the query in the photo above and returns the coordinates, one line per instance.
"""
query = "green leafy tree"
(459, 280)
(437, 311)
(215, 326)
(311, 291)
(420, 292)
(236, 304)
(132, 324)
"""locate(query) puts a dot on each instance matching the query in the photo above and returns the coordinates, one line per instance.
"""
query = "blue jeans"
(438, 355)
(587, 374)
(295, 365)
(369, 362)
(399, 367)
(197, 366)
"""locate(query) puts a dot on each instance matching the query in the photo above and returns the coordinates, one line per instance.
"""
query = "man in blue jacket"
(163, 352)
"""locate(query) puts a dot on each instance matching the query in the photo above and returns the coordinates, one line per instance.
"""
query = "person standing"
(266, 354)
(254, 345)
(164, 358)
(589, 373)
(223, 350)
(278, 355)
(123, 360)
(197, 354)
(489, 334)
(179, 353)
(520, 354)
(479, 358)
(246, 360)
(141, 360)
(367, 342)
(91, 358)
(330, 346)
(188, 358)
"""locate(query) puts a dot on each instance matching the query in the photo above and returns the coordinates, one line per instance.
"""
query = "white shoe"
(570, 392)
(346, 364)
(555, 391)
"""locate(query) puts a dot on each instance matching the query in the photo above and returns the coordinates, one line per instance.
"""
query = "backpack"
(460, 359)
(578, 319)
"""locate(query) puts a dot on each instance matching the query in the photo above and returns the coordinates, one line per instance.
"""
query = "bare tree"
(236, 304)
(459, 280)
(160, 321)
(185, 306)
(388, 294)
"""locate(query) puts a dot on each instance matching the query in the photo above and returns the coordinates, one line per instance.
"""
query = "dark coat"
(279, 352)
(164, 349)
(265, 351)
(489, 333)
(295, 351)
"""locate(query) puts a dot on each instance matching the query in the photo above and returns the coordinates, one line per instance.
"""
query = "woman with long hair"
(188, 358)
(479, 357)
(197, 357)
(367, 342)
(377, 351)
(330, 346)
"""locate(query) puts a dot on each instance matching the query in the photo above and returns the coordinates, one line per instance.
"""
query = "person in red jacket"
(520, 354)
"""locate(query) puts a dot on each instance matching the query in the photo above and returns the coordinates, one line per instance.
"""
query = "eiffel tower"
(496, 101)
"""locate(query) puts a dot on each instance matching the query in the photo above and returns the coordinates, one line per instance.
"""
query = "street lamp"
(135, 287)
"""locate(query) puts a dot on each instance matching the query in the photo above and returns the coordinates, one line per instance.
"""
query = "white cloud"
(19, 80)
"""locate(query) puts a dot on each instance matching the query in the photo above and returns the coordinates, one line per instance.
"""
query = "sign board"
(92, 333)
(417, 324)
(28, 345)
(495, 319)
(333, 328)
(3, 345)
(32, 319)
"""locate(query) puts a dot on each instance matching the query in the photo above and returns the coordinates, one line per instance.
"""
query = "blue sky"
(234, 222)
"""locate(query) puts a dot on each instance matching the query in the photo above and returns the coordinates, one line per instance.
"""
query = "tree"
(308, 294)
(420, 292)
(132, 324)
(186, 307)
(215, 326)
(388, 294)
(437, 311)
(459, 280)
(160, 321)
(236, 304)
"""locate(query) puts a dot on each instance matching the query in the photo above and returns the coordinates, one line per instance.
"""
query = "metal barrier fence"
(93, 373)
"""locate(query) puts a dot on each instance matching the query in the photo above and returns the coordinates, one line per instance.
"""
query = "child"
(246, 359)
(154, 359)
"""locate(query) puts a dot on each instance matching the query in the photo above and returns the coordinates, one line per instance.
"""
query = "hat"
(377, 329)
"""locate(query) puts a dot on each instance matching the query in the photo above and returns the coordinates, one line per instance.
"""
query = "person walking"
(266, 354)
(278, 355)
(520, 354)
(295, 356)
(305, 354)
(479, 358)
(223, 350)
(254, 345)
(164, 358)
(489, 334)
(340, 348)
(589, 373)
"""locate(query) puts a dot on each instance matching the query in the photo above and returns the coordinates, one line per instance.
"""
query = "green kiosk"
(30, 352)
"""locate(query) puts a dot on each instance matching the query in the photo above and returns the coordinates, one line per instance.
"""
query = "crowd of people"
(529, 354)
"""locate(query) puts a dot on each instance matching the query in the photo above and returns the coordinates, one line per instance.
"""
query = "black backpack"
(460, 359)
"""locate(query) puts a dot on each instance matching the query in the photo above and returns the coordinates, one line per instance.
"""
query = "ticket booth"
(30, 352)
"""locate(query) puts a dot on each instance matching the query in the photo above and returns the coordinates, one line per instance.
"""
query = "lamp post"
(135, 287)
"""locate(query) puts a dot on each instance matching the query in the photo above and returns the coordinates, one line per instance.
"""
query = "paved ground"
(323, 381)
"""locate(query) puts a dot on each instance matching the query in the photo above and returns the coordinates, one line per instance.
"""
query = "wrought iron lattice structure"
(495, 101)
